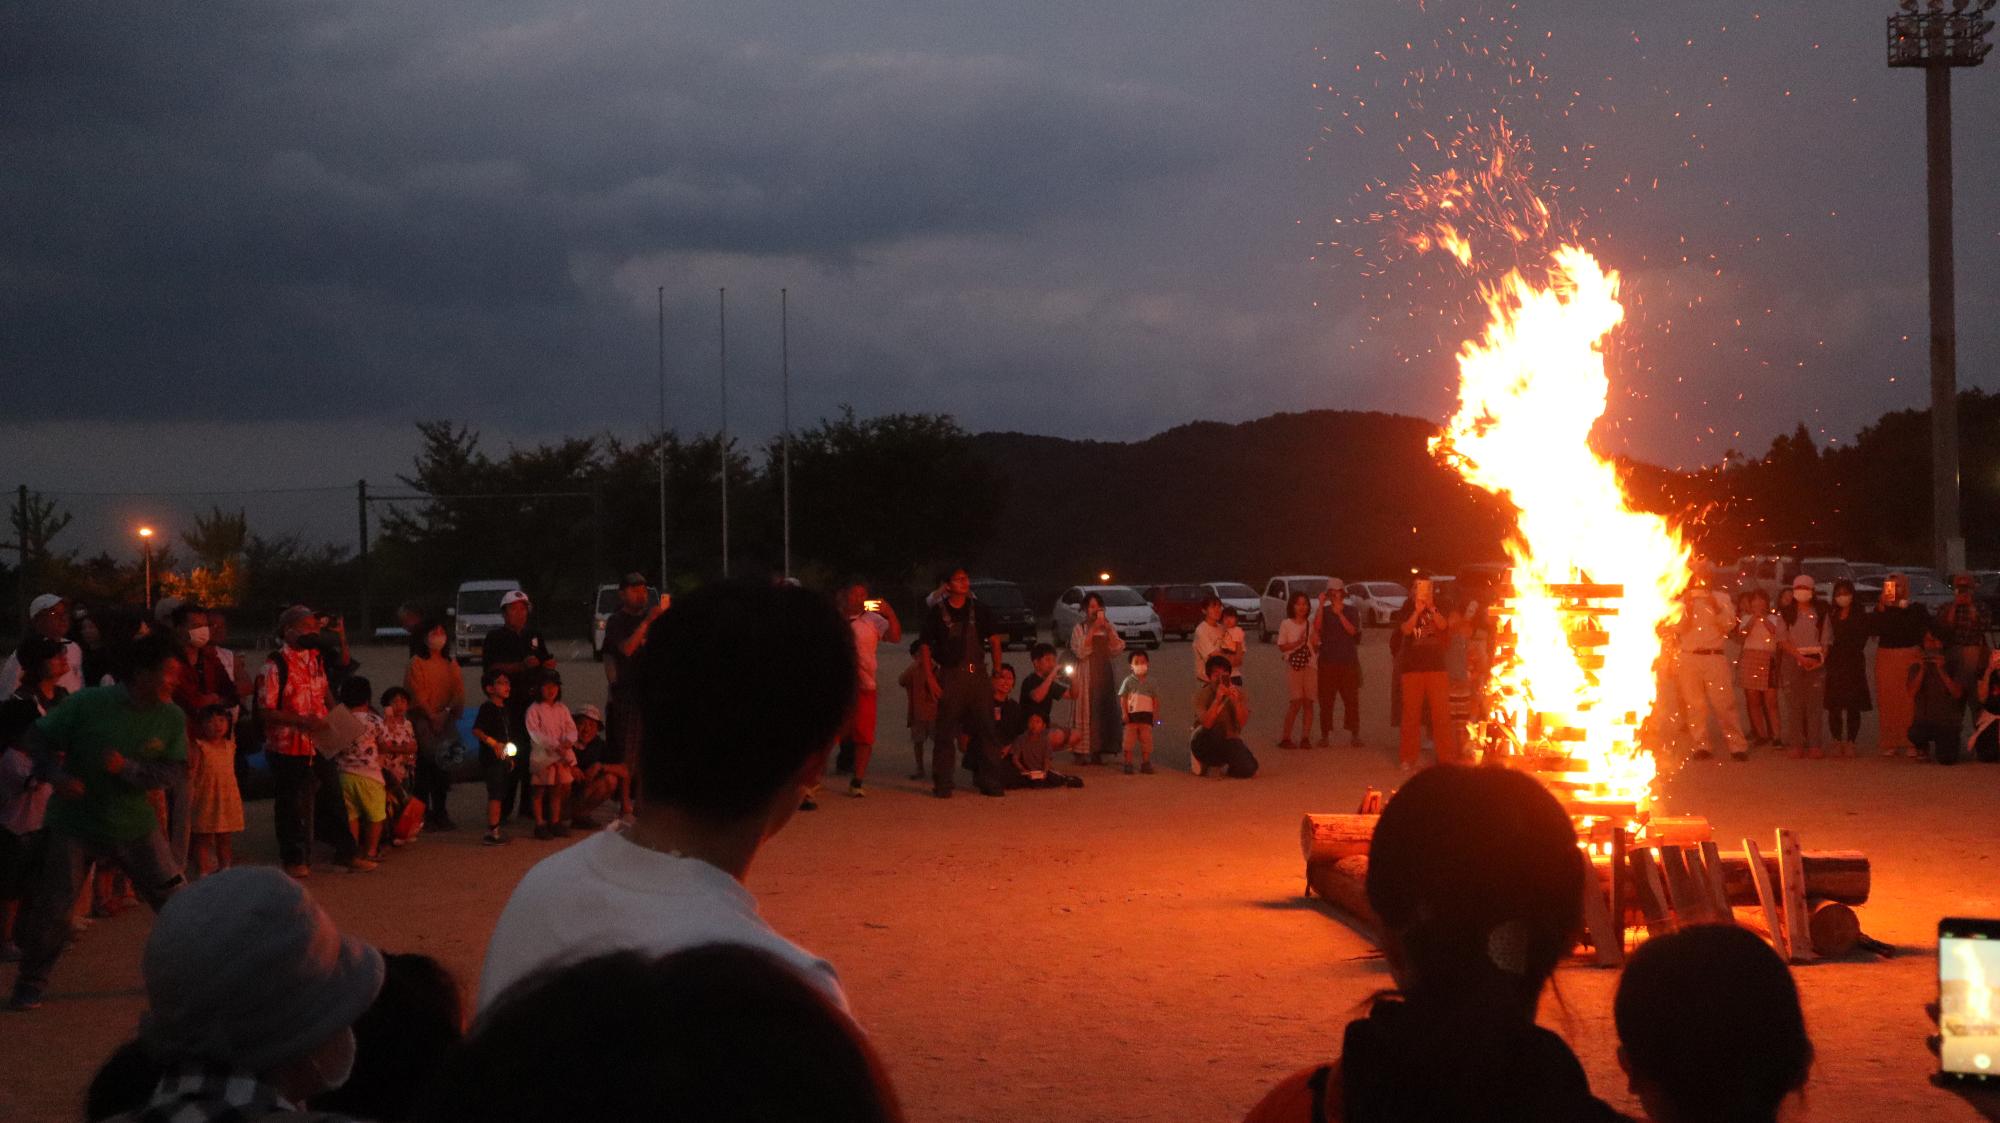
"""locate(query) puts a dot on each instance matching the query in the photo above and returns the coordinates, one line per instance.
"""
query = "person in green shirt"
(101, 749)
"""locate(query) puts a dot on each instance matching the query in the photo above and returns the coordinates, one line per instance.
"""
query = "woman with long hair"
(437, 698)
(1295, 643)
(1477, 881)
(1095, 643)
(1848, 631)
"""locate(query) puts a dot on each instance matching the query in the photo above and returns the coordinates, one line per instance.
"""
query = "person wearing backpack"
(292, 699)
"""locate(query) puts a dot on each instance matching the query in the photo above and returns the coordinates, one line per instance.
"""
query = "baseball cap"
(44, 603)
(1802, 581)
(1336, 585)
(514, 596)
(588, 711)
(631, 579)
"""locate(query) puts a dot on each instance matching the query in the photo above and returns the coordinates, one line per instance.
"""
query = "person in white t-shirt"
(726, 761)
(874, 623)
(48, 615)
(1209, 635)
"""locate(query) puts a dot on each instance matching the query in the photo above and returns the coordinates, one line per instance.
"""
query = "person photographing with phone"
(873, 623)
(1337, 636)
(1220, 712)
(1426, 685)
(624, 635)
(1898, 627)
(1802, 636)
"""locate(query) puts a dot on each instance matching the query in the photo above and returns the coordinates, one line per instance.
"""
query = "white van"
(475, 611)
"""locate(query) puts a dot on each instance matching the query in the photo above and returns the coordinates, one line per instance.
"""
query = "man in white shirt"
(48, 615)
(746, 687)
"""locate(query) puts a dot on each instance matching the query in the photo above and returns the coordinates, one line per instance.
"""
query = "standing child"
(398, 750)
(215, 806)
(499, 748)
(1758, 669)
(360, 764)
(920, 684)
(1142, 708)
(552, 757)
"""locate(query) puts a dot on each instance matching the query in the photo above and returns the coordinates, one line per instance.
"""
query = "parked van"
(475, 611)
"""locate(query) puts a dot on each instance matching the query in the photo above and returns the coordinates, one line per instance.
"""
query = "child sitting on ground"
(1711, 975)
(360, 764)
(919, 683)
(1142, 707)
(215, 805)
(398, 752)
(552, 757)
(1031, 754)
(499, 748)
(597, 779)
(1937, 701)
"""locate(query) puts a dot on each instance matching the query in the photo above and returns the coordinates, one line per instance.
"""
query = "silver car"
(1128, 611)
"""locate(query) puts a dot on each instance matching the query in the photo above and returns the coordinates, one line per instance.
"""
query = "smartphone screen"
(1969, 999)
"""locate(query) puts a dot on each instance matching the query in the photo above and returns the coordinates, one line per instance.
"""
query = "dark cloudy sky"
(245, 244)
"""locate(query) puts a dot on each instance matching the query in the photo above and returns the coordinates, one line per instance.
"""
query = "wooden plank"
(1792, 891)
(1688, 905)
(1607, 936)
(1647, 886)
(1767, 901)
(1711, 868)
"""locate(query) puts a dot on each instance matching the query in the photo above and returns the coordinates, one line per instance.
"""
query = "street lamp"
(1937, 41)
(146, 546)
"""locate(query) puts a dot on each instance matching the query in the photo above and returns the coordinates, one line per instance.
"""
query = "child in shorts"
(1141, 705)
(551, 757)
(398, 752)
(215, 805)
(1031, 754)
(499, 748)
(361, 769)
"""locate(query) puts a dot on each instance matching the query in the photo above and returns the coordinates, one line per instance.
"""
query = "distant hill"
(1353, 494)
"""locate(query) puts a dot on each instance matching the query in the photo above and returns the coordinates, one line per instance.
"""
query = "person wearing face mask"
(251, 998)
(292, 700)
(1802, 632)
(1848, 631)
(437, 700)
(204, 682)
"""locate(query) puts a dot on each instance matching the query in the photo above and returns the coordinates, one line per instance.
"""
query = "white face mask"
(198, 637)
(437, 643)
(1802, 595)
(1844, 599)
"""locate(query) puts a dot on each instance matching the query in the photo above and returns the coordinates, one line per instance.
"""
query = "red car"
(1179, 606)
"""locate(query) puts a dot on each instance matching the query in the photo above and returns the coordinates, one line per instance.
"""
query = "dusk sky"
(247, 244)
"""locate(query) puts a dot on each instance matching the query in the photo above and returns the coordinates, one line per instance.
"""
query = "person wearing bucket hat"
(519, 652)
(1802, 638)
(251, 998)
(48, 616)
(1963, 625)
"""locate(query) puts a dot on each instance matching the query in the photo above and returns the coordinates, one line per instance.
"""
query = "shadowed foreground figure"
(1478, 881)
(719, 1033)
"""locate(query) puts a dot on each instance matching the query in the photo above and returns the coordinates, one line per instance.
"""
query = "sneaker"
(941, 793)
(1147, 768)
(1129, 770)
(857, 790)
(1287, 744)
(493, 838)
(299, 872)
(543, 832)
(25, 998)
(993, 791)
(920, 774)
(1072, 781)
(808, 804)
(358, 864)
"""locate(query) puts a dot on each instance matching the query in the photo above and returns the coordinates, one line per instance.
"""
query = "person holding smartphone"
(1337, 636)
(1802, 637)
(1426, 685)
(624, 636)
(1898, 627)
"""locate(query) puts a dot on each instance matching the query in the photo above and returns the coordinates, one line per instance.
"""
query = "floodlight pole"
(1937, 41)
(661, 434)
(785, 378)
(722, 438)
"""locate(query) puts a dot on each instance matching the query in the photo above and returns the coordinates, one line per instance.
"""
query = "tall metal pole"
(661, 435)
(367, 601)
(22, 593)
(1948, 544)
(722, 441)
(147, 549)
(785, 375)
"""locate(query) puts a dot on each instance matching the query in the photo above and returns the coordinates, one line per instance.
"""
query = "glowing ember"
(1577, 682)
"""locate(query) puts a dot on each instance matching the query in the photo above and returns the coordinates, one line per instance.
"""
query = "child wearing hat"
(552, 757)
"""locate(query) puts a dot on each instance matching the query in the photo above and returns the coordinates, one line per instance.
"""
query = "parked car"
(475, 611)
(1774, 573)
(607, 603)
(1242, 598)
(1926, 587)
(1179, 606)
(1376, 601)
(1868, 580)
(1011, 614)
(1278, 593)
(1129, 613)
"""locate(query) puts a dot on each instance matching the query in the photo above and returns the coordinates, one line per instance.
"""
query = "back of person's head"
(33, 656)
(1477, 878)
(1676, 990)
(744, 682)
(417, 1020)
(148, 654)
(720, 1033)
(355, 692)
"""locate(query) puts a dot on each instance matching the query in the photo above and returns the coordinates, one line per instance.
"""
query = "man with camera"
(1337, 636)
(958, 634)
(1220, 711)
(519, 652)
(1425, 683)
(624, 634)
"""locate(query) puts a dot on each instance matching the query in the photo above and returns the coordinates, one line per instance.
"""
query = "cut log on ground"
(1343, 883)
(1330, 837)
(1837, 875)
(1835, 928)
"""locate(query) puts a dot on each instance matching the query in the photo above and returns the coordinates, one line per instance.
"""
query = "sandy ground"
(1138, 949)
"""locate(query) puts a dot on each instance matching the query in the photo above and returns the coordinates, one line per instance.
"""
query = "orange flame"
(1531, 389)
(1978, 992)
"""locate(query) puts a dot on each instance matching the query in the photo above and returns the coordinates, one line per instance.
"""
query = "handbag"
(1301, 657)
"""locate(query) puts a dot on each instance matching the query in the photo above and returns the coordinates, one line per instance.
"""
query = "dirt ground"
(1138, 949)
